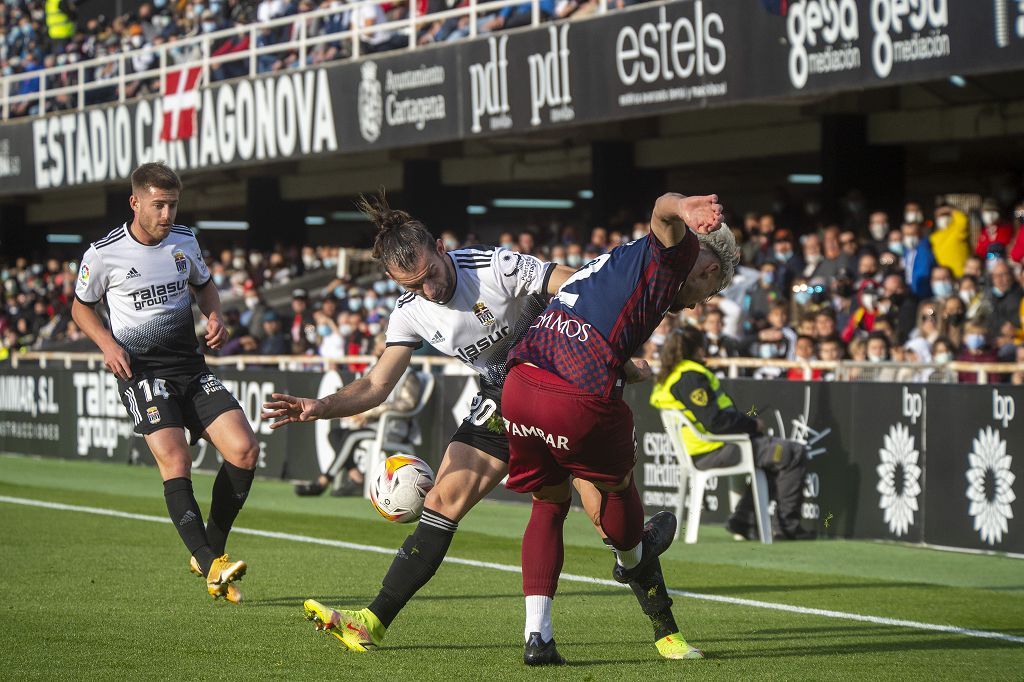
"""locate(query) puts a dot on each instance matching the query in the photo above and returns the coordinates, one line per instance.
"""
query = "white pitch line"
(508, 568)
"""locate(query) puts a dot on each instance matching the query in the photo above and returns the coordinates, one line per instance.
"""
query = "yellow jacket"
(950, 245)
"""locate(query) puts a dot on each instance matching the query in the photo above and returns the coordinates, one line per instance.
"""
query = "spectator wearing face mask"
(949, 239)
(1004, 298)
(775, 340)
(913, 214)
(878, 228)
(994, 230)
(760, 298)
(788, 264)
(975, 348)
(812, 256)
(942, 283)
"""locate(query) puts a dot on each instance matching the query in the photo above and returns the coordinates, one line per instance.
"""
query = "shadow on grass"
(348, 599)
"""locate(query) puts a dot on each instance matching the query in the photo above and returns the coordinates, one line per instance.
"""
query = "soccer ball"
(400, 486)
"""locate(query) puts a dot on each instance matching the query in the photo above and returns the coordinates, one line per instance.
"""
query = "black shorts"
(158, 399)
(482, 428)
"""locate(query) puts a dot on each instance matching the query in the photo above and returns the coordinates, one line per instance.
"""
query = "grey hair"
(722, 243)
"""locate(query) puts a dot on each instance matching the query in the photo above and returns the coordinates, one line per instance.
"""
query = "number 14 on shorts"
(157, 388)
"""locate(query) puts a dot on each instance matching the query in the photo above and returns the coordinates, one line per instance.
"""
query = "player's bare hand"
(638, 371)
(216, 332)
(702, 214)
(287, 409)
(117, 361)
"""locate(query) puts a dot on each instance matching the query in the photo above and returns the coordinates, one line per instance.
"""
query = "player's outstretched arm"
(115, 358)
(359, 396)
(674, 213)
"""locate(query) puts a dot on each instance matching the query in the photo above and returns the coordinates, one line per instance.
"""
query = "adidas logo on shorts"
(132, 274)
(437, 338)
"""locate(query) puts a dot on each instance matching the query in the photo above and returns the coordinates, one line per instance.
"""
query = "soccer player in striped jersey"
(472, 304)
(147, 271)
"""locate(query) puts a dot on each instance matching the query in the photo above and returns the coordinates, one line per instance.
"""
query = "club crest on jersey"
(180, 262)
(153, 415)
(483, 314)
(83, 275)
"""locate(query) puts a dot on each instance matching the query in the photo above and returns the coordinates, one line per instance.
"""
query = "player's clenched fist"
(286, 409)
(702, 214)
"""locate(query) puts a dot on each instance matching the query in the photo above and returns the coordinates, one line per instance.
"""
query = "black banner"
(646, 60)
(916, 463)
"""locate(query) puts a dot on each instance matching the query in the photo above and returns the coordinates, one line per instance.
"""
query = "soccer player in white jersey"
(473, 304)
(146, 271)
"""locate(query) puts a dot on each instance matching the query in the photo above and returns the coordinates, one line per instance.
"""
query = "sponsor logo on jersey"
(180, 262)
(83, 274)
(438, 337)
(472, 351)
(132, 274)
(158, 294)
(574, 329)
(153, 415)
(483, 313)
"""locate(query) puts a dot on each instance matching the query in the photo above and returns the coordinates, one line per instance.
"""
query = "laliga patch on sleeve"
(83, 275)
(699, 397)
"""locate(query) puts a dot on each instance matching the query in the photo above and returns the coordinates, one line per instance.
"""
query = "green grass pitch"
(87, 596)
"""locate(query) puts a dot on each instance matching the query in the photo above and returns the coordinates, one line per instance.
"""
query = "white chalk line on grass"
(508, 568)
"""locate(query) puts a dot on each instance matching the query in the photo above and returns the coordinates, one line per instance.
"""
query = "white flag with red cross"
(181, 100)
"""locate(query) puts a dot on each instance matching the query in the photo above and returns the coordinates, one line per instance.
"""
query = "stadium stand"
(820, 296)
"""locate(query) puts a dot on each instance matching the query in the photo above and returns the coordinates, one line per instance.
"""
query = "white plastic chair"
(694, 480)
(379, 446)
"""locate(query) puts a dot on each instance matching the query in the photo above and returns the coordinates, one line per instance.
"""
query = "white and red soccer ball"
(399, 487)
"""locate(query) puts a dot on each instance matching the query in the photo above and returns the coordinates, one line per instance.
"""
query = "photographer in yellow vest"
(684, 383)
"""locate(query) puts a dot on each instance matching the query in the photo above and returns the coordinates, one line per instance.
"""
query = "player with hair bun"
(474, 304)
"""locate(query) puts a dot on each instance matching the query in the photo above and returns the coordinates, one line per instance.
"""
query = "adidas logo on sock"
(437, 338)
(188, 517)
(133, 273)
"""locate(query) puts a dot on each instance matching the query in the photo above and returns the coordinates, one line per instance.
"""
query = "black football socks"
(414, 564)
(230, 489)
(652, 595)
(184, 513)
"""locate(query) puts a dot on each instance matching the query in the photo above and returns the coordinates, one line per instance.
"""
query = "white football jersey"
(496, 298)
(147, 291)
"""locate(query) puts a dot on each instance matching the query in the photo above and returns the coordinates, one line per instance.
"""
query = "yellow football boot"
(674, 646)
(233, 594)
(358, 630)
(223, 573)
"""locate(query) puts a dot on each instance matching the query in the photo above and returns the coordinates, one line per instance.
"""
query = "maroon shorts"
(556, 430)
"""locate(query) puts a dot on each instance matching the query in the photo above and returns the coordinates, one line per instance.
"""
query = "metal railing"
(842, 370)
(198, 50)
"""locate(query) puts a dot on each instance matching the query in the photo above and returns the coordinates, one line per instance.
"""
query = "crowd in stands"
(30, 40)
(910, 288)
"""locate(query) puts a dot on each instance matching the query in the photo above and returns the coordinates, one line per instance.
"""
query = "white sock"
(630, 557)
(538, 617)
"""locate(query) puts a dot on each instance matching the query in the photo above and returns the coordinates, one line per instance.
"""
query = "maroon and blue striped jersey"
(606, 311)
